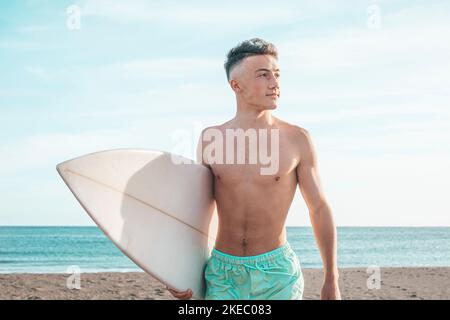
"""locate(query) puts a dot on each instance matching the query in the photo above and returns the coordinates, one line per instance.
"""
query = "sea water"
(55, 249)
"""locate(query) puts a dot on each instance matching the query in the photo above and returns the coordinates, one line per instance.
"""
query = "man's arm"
(320, 214)
(199, 151)
(200, 148)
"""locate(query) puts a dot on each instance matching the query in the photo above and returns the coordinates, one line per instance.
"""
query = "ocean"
(55, 249)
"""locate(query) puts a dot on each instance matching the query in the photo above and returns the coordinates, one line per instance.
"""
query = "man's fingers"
(180, 294)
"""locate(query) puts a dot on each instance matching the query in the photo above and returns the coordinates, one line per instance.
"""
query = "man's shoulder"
(302, 133)
(211, 130)
(297, 131)
(219, 127)
(303, 140)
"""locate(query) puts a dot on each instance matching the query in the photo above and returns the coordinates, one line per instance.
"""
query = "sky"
(368, 80)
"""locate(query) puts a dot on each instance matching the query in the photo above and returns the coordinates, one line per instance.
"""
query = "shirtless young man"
(252, 258)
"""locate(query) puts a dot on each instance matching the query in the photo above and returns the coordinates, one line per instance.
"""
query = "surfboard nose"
(61, 167)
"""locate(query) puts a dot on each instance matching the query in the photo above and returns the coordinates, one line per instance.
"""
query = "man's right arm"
(200, 148)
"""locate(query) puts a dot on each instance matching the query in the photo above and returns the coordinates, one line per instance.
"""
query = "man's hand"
(182, 295)
(330, 290)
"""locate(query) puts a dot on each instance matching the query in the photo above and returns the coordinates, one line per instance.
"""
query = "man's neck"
(251, 118)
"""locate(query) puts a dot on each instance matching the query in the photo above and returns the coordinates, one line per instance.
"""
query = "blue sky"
(374, 96)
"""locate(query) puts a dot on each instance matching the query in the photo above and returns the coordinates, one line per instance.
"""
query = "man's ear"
(235, 85)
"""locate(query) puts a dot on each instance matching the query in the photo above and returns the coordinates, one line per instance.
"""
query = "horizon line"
(338, 226)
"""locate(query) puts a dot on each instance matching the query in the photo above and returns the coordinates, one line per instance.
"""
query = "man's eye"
(265, 74)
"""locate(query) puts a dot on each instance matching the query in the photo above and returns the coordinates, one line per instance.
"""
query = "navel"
(244, 245)
(277, 178)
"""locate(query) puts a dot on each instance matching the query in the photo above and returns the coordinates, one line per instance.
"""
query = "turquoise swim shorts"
(274, 275)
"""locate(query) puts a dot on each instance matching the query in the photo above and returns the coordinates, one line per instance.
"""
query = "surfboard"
(155, 206)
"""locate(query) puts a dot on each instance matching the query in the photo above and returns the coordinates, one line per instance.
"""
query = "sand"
(396, 283)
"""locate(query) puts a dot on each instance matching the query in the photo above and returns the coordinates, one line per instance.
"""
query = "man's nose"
(274, 82)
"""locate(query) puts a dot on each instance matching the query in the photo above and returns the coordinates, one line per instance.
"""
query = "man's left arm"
(320, 215)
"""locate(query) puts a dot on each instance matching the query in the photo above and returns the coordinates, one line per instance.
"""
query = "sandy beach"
(396, 283)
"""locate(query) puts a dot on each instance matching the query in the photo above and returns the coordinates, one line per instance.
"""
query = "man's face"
(258, 81)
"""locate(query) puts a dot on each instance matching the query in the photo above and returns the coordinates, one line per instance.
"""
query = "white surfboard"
(156, 209)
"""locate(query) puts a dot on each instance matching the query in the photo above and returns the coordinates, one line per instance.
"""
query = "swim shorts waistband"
(267, 256)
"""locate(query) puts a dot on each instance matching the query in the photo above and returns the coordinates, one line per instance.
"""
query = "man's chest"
(275, 169)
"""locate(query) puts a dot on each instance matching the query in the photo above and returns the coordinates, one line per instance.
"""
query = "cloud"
(45, 150)
(161, 68)
(401, 112)
(230, 15)
(396, 52)
(406, 50)
(134, 75)
(38, 71)
(23, 45)
(388, 190)
(32, 29)
(142, 87)
(379, 135)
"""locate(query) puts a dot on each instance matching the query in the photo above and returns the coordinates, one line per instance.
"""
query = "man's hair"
(247, 48)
